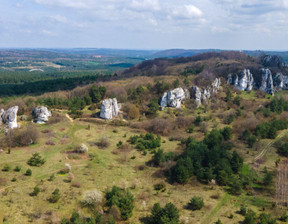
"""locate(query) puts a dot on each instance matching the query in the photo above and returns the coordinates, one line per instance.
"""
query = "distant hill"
(175, 53)
(206, 66)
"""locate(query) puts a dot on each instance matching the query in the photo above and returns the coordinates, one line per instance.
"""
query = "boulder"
(9, 117)
(174, 98)
(109, 109)
(41, 114)
(267, 81)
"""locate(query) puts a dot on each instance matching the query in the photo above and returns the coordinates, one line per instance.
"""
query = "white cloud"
(187, 12)
(47, 32)
(64, 3)
(59, 18)
(145, 5)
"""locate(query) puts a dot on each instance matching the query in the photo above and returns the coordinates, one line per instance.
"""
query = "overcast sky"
(145, 24)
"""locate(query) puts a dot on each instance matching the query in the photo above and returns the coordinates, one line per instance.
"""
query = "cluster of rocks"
(109, 109)
(9, 118)
(174, 98)
(41, 114)
(269, 83)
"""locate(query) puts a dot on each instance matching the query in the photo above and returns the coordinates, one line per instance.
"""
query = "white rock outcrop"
(174, 98)
(9, 117)
(267, 81)
(281, 81)
(41, 114)
(244, 81)
(109, 109)
(202, 95)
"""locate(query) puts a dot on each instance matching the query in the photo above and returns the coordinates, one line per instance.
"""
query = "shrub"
(196, 203)
(133, 111)
(21, 137)
(230, 119)
(103, 143)
(123, 199)
(284, 217)
(36, 160)
(92, 199)
(35, 191)
(51, 178)
(55, 196)
(166, 215)
(17, 169)
(243, 210)
(227, 133)
(283, 150)
(14, 179)
(28, 172)
(6, 168)
(160, 187)
(190, 129)
(198, 120)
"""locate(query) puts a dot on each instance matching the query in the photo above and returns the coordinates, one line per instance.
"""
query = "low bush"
(55, 196)
(196, 203)
(36, 160)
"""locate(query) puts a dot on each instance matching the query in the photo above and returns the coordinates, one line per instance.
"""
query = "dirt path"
(69, 118)
(264, 151)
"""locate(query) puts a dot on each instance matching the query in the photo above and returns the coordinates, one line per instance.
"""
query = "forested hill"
(215, 64)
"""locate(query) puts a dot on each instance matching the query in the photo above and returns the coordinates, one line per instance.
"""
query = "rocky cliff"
(109, 109)
(268, 81)
(243, 81)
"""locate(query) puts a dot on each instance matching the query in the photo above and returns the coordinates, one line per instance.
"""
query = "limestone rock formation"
(109, 109)
(9, 117)
(41, 114)
(273, 61)
(174, 98)
(215, 85)
(196, 95)
(202, 95)
(281, 81)
(244, 81)
(267, 81)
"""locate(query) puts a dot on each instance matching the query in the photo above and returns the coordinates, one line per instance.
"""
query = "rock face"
(267, 81)
(9, 117)
(215, 85)
(243, 82)
(273, 61)
(281, 81)
(41, 114)
(196, 95)
(174, 98)
(109, 109)
(202, 95)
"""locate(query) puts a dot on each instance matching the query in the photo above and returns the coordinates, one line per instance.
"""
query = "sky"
(145, 24)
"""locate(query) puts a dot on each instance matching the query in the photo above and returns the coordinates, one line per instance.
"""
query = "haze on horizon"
(144, 24)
